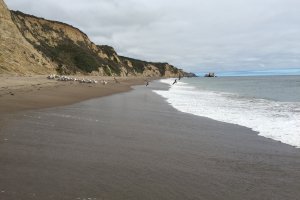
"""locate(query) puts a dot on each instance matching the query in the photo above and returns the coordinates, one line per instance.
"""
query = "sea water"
(269, 105)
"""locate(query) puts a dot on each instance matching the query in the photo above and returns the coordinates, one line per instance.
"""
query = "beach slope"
(135, 146)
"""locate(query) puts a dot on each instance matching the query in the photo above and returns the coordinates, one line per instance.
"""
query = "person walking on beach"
(116, 80)
(175, 81)
(147, 83)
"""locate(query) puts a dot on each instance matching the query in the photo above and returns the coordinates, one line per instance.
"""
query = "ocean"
(269, 105)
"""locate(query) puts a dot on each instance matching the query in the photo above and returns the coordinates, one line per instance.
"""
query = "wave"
(271, 119)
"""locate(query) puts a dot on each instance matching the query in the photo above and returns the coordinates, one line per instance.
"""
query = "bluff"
(38, 45)
(17, 55)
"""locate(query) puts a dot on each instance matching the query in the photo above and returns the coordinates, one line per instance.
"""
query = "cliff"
(68, 47)
(41, 46)
(17, 55)
(139, 67)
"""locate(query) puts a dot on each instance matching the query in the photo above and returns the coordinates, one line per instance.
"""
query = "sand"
(34, 92)
(135, 146)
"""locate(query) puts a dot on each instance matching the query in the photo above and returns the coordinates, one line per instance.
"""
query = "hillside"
(56, 46)
(17, 55)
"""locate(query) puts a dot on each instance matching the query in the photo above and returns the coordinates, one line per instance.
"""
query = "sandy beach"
(135, 146)
(19, 93)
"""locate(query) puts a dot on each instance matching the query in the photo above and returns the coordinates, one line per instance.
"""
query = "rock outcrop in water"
(210, 75)
(33, 45)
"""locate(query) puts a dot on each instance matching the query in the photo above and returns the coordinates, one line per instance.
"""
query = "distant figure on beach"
(179, 77)
(175, 81)
(147, 83)
(116, 80)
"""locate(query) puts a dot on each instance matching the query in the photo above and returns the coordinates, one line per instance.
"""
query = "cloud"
(196, 35)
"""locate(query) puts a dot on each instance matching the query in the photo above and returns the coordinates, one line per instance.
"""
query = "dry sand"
(34, 92)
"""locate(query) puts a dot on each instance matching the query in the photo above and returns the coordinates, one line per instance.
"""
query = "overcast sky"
(196, 35)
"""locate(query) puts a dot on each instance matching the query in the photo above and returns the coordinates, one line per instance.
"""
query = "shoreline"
(135, 146)
(37, 92)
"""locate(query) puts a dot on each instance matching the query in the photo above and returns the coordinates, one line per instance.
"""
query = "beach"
(132, 145)
(19, 93)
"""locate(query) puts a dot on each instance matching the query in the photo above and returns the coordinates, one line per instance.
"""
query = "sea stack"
(210, 74)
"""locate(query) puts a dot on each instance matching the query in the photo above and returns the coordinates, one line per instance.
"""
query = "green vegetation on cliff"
(139, 66)
(71, 51)
(70, 56)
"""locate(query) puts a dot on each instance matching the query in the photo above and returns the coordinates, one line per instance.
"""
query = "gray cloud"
(197, 35)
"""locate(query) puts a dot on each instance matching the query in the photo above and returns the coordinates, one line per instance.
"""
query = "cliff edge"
(17, 55)
(30, 44)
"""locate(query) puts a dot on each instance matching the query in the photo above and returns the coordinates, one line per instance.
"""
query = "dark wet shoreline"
(135, 146)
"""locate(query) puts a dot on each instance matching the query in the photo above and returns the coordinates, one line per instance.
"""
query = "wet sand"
(135, 146)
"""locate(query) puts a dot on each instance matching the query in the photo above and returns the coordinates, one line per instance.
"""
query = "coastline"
(135, 146)
(254, 102)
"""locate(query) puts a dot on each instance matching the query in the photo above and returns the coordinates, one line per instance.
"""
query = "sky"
(195, 35)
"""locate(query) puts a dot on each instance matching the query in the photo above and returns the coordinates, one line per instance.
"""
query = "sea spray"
(272, 119)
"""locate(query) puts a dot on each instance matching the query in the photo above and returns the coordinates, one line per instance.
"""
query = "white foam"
(276, 120)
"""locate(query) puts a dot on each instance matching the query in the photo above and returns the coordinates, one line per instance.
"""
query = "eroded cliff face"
(35, 45)
(17, 55)
(66, 46)
(150, 69)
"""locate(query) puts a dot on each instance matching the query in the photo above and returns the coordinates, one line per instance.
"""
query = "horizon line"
(267, 72)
